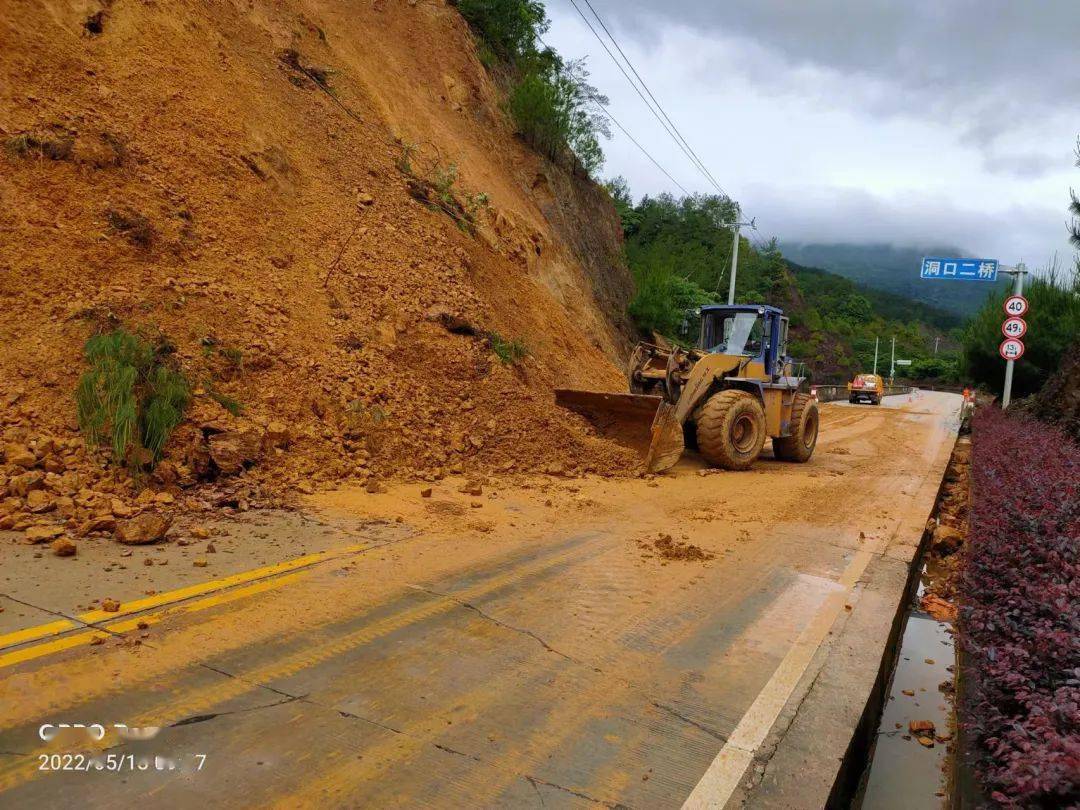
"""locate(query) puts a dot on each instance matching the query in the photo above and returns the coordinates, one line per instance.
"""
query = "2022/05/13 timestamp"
(118, 763)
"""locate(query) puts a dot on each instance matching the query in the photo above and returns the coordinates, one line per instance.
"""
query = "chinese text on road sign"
(959, 269)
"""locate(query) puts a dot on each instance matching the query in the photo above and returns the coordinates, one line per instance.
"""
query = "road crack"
(203, 718)
(679, 715)
(499, 622)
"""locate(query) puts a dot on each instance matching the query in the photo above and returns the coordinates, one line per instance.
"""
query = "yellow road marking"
(39, 631)
(126, 625)
(25, 769)
(157, 600)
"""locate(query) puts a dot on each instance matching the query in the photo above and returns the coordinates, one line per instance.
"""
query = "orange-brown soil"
(235, 178)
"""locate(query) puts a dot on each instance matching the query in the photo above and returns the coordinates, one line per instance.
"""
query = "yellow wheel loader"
(726, 396)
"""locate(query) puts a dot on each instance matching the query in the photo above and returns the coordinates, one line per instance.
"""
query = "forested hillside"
(893, 269)
(680, 256)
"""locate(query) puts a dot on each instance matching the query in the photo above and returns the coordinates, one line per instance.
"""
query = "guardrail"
(831, 393)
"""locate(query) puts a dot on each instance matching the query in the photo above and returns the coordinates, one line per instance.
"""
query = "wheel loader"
(725, 396)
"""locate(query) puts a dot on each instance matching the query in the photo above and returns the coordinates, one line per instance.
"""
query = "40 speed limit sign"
(1011, 349)
(1014, 327)
(1016, 306)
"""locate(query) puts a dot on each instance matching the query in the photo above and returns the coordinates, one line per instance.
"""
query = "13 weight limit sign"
(1011, 349)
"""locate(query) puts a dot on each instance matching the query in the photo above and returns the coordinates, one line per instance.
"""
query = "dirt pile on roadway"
(240, 181)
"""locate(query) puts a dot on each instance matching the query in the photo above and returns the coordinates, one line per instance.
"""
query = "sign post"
(1012, 349)
(1014, 328)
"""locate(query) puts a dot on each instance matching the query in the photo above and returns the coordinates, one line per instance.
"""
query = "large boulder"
(233, 450)
(148, 527)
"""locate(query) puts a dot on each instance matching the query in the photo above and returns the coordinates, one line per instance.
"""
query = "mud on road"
(512, 645)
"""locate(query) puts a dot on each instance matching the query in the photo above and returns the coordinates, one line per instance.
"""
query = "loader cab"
(758, 332)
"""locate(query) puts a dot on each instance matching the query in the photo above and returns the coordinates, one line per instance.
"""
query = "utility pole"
(1018, 289)
(892, 363)
(875, 354)
(734, 251)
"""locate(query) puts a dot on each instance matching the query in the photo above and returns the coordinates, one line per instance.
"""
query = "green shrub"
(508, 28)
(556, 109)
(551, 101)
(131, 398)
(664, 297)
(510, 352)
(442, 180)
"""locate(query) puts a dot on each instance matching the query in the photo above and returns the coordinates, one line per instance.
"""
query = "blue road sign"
(959, 269)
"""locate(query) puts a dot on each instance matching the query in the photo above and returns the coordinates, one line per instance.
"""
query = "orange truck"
(866, 386)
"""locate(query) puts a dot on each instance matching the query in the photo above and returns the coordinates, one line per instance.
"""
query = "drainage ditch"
(910, 758)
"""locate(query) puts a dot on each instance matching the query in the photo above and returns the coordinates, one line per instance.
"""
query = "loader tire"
(731, 429)
(799, 446)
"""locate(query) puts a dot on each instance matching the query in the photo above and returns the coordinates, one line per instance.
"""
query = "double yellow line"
(17, 647)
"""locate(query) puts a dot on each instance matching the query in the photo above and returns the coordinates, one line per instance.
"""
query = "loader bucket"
(643, 422)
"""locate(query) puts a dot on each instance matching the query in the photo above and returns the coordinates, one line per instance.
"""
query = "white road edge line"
(726, 771)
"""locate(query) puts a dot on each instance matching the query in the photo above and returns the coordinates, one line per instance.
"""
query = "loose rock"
(149, 527)
(62, 547)
(42, 534)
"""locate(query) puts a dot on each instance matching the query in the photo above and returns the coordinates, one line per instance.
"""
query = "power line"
(641, 95)
(604, 110)
(644, 151)
(699, 162)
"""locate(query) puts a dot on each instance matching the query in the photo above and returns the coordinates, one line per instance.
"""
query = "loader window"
(734, 333)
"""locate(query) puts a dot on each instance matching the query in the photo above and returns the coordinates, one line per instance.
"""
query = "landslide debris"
(666, 547)
(233, 184)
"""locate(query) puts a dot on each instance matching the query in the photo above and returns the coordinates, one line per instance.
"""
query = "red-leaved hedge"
(1020, 612)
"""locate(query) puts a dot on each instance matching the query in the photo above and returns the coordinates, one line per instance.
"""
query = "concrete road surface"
(701, 639)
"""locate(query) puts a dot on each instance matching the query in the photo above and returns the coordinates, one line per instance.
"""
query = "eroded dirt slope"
(234, 176)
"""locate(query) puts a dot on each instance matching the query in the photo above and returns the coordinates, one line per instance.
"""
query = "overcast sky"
(914, 123)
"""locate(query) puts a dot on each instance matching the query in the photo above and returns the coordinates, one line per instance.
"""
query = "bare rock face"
(98, 523)
(233, 450)
(148, 527)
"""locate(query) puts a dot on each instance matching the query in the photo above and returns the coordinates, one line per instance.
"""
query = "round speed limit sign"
(1016, 306)
(1014, 327)
(1011, 349)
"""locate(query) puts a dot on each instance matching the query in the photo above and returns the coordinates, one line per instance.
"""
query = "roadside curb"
(833, 718)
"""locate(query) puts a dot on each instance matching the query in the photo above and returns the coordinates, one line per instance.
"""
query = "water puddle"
(903, 772)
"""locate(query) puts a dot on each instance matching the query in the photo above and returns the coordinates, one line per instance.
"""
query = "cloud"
(855, 120)
(985, 66)
(1028, 164)
(823, 215)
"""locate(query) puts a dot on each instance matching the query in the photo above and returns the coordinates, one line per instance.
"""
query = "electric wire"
(698, 161)
(641, 95)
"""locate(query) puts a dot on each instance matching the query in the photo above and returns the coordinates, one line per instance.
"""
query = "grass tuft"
(130, 397)
(510, 352)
